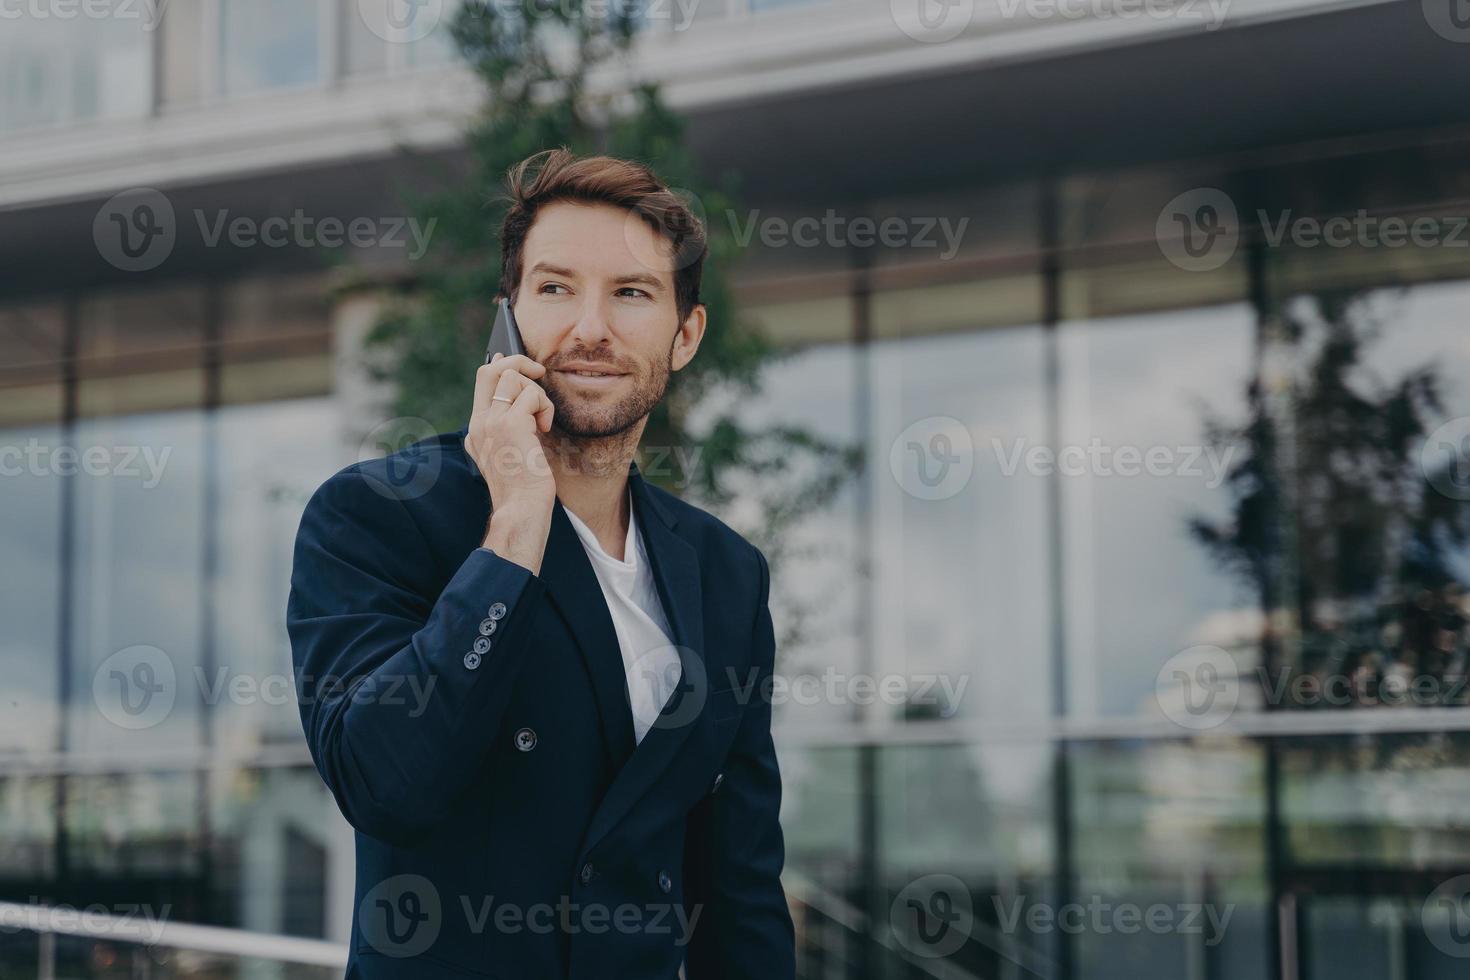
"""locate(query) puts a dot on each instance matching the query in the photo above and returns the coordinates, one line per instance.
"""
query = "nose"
(591, 328)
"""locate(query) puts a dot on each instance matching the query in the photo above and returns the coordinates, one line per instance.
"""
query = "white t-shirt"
(650, 661)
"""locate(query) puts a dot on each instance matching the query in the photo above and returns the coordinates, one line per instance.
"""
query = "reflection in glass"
(960, 596)
(137, 595)
(30, 578)
(1137, 587)
(270, 458)
(1350, 512)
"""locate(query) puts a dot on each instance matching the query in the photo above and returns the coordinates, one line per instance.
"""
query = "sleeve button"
(471, 660)
(525, 739)
(497, 610)
(487, 627)
(482, 645)
(665, 883)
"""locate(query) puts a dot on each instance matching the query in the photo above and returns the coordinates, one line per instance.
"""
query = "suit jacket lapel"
(573, 586)
(676, 573)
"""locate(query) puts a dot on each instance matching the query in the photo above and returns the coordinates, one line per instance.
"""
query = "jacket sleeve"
(735, 847)
(397, 711)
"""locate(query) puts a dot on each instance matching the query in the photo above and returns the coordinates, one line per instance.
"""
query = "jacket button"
(525, 739)
(586, 872)
(482, 645)
(719, 778)
(471, 660)
(665, 883)
(497, 610)
(487, 627)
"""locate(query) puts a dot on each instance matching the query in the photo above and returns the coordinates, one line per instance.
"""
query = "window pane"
(1137, 467)
(60, 70)
(269, 44)
(32, 468)
(137, 595)
(270, 458)
(960, 596)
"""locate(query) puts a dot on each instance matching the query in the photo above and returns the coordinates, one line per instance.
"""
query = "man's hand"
(508, 412)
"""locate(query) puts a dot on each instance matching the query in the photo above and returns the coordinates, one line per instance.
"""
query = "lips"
(591, 379)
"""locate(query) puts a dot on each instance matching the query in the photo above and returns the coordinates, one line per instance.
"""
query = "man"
(586, 786)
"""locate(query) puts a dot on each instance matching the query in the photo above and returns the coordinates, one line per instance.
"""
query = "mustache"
(555, 363)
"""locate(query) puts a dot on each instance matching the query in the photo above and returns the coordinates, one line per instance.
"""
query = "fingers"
(487, 378)
(533, 400)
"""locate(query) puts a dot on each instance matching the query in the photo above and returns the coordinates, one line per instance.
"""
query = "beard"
(590, 417)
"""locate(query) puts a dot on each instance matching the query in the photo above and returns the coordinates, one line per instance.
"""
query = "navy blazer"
(472, 721)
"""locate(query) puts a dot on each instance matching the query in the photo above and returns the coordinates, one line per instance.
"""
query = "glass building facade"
(1137, 645)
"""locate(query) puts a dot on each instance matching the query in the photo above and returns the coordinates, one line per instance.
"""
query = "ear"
(686, 340)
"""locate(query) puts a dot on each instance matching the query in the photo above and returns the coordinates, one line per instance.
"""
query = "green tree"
(537, 62)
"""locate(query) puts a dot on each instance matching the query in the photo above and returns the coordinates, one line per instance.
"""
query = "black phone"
(505, 336)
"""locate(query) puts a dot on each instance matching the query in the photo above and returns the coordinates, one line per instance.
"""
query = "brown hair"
(560, 175)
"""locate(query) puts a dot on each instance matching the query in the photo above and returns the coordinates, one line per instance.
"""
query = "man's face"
(596, 307)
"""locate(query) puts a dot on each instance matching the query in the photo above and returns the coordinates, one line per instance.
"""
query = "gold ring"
(501, 398)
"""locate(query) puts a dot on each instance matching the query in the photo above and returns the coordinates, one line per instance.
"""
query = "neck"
(592, 478)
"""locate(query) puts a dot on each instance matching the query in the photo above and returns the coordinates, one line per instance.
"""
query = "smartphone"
(505, 336)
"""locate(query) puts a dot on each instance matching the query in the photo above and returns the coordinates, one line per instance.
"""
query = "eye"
(550, 285)
(634, 289)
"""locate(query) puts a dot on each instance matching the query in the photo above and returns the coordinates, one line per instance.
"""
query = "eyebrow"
(640, 278)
